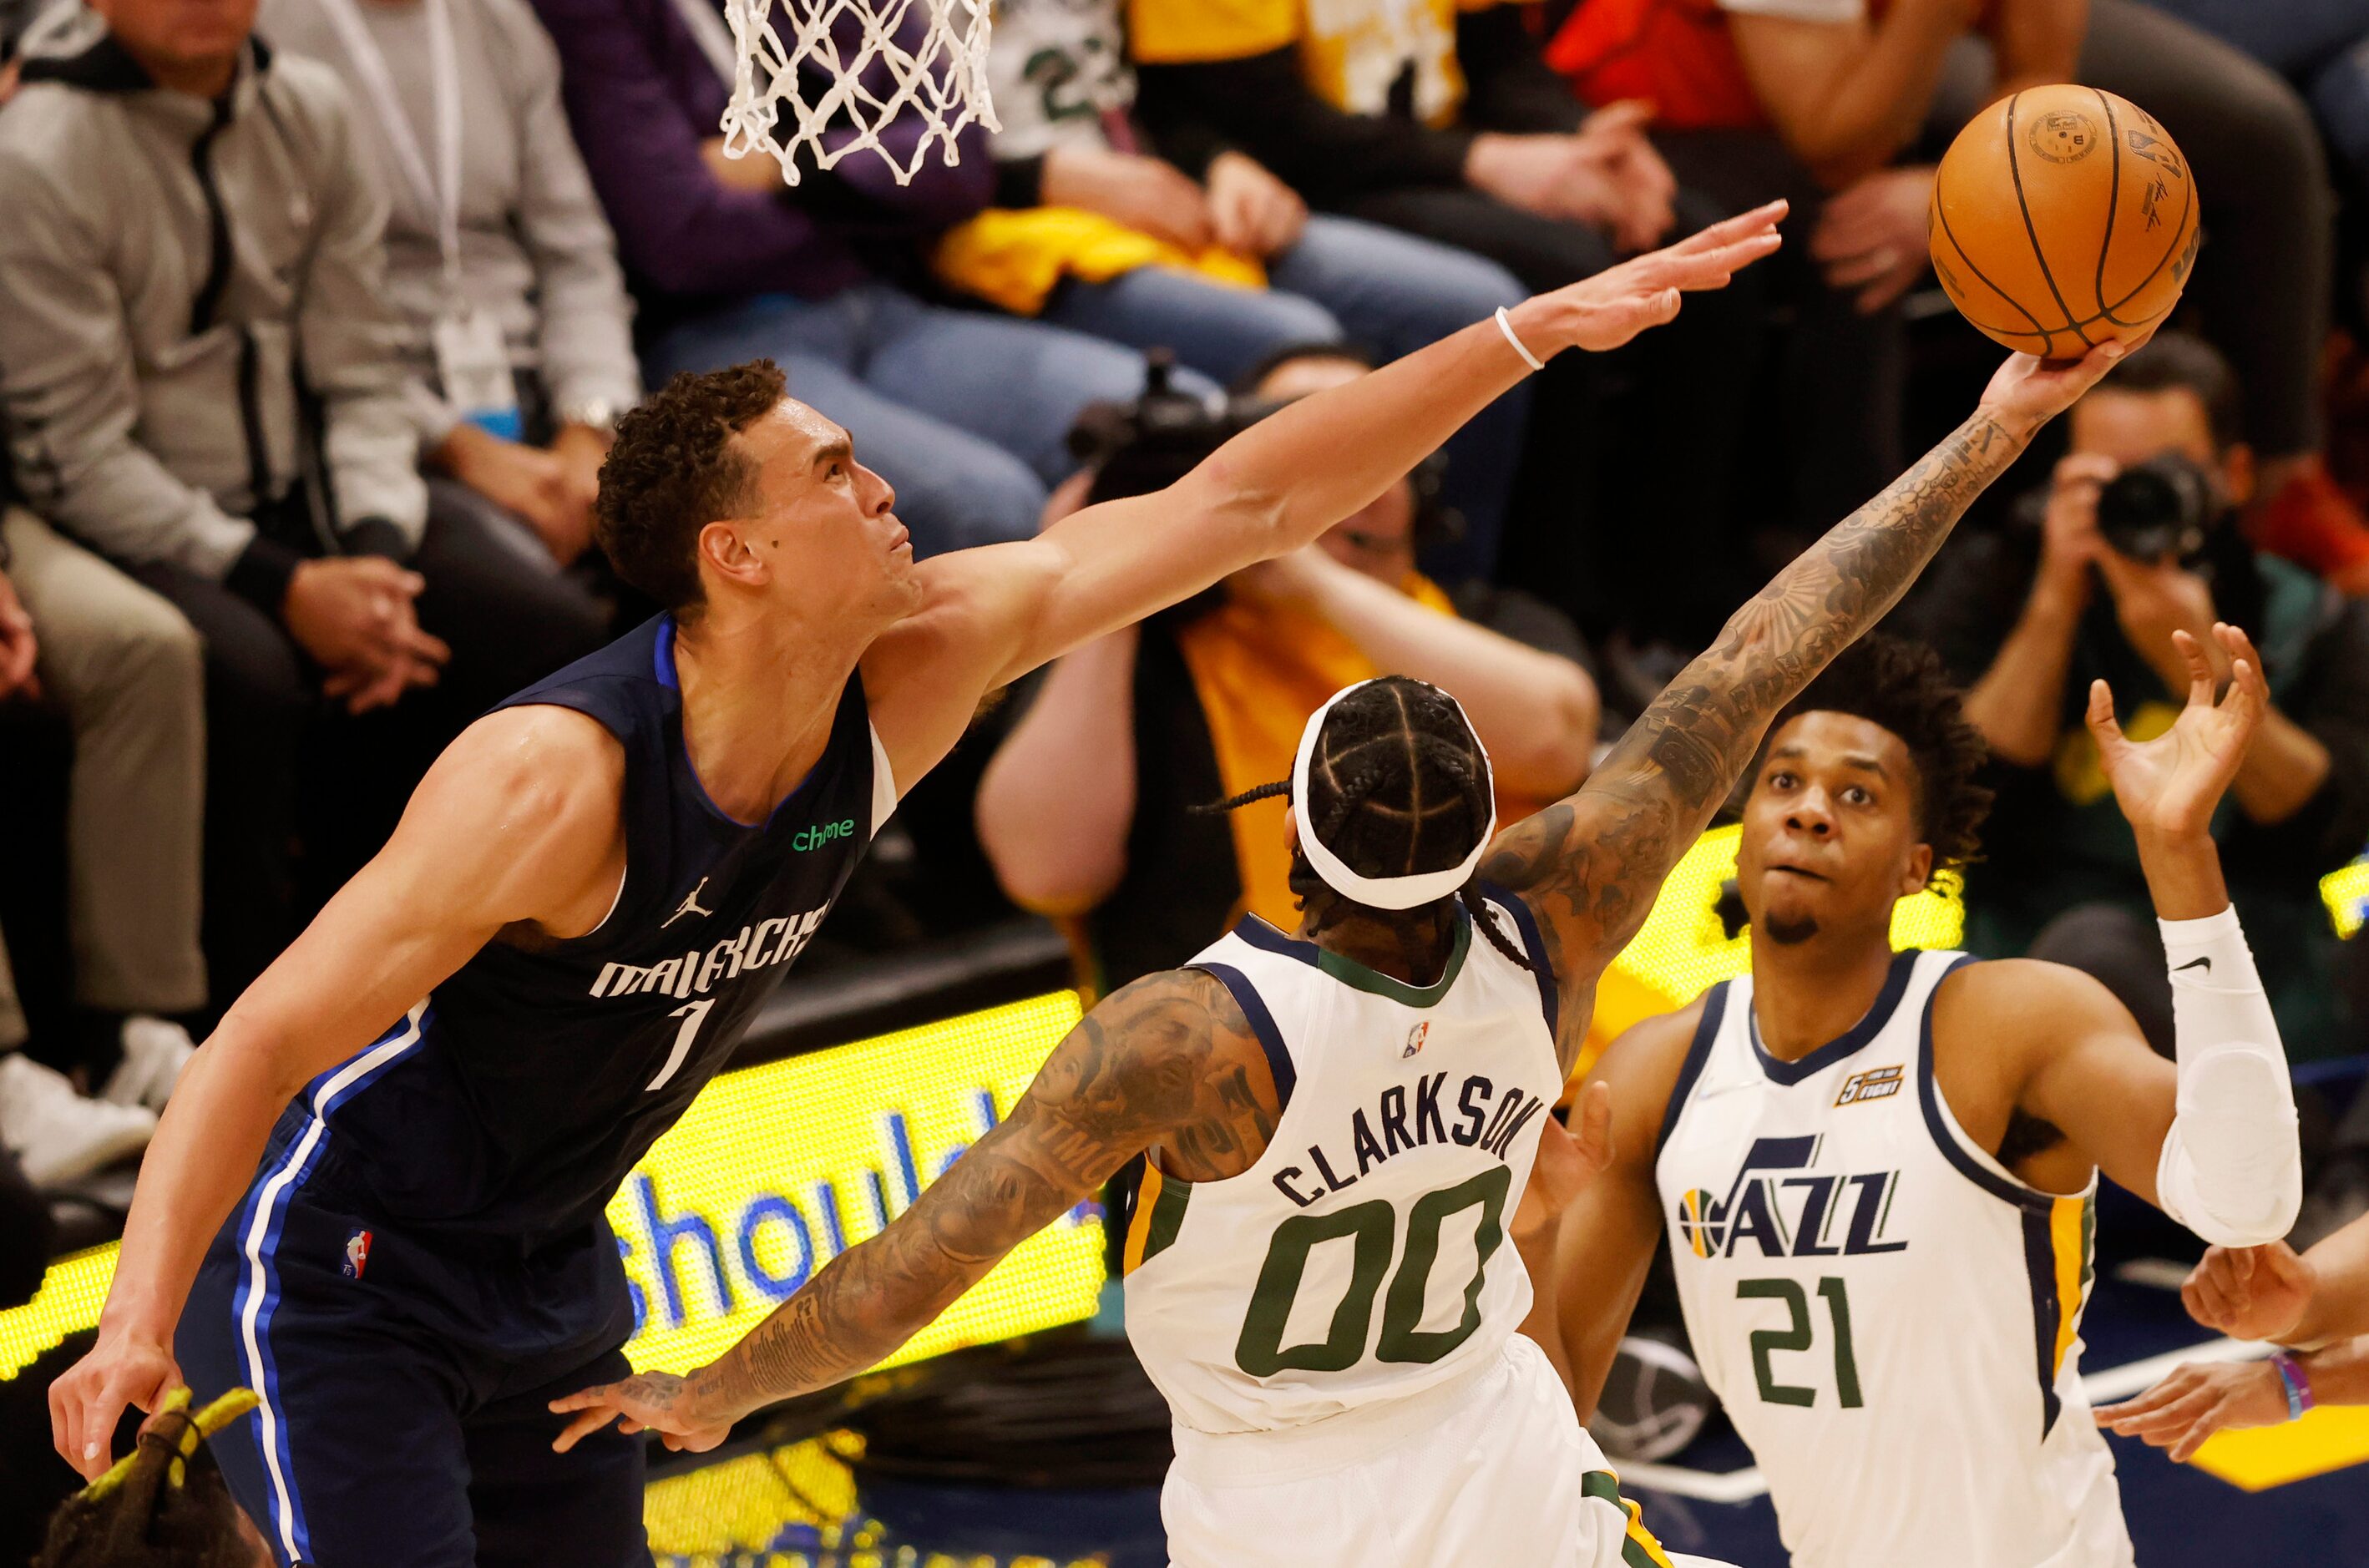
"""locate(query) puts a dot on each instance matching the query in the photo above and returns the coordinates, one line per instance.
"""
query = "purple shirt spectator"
(965, 413)
(645, 96)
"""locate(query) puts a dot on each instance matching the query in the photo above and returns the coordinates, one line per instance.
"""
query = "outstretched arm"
(2201, 1398)
(2230, 1167)
(1167, 1060)
(992, 615)
(1590, 865)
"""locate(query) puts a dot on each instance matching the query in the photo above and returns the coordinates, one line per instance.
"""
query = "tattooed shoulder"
(1184, 1073)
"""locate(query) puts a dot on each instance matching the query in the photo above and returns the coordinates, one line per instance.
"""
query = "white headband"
(1383, 892)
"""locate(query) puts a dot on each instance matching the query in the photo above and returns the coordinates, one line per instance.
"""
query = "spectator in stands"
(517, 263)
(1866, 95)
(1094, 232)
(50, 1134)
(124, 669)
(1086, 810)
(1442, 120)
(1842, 357)
(965, 413)
(195, 372)
(2322, 46)
(2031, 622)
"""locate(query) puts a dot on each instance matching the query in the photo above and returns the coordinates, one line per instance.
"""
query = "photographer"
(2136, 540)
(1086, 810)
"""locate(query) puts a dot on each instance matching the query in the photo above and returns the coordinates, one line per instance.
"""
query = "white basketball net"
(849, 71)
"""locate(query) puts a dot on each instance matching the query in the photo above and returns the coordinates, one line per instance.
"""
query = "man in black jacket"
(198, 382)
(2030, 621)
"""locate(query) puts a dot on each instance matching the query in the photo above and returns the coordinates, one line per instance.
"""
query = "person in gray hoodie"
(516, 239)
(202, 380)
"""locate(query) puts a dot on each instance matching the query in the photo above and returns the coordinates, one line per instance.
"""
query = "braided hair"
(163, 1507)
(1396, 787)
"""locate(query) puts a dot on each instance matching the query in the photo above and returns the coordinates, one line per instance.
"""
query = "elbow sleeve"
(2231, 1169)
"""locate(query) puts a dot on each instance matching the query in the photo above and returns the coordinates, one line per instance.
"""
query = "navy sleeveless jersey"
(510, 1104)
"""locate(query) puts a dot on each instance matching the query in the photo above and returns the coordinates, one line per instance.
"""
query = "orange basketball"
(2064, 217)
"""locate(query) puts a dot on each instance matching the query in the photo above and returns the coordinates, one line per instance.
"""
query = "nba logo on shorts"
(356, 1254)
(1415, 1039)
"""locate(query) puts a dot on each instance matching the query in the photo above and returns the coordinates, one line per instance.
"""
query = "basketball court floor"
(2292, 1494)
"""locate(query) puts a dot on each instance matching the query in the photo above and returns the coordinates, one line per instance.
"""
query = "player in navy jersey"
(378, 1194)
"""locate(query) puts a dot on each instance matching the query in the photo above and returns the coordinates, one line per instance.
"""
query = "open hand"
(2250, 1292)
(1606, 311)
(2170, 785)
(2196, 1401)
(654, 1401)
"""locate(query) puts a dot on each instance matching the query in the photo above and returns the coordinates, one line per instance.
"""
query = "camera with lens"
(1150, 442)
(2163, 507)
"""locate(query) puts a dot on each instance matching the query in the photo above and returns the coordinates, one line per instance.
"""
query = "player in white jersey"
(1877, 1170)
(1337, 1121)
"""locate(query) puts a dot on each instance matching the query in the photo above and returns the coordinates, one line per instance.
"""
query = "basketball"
(2064, 217)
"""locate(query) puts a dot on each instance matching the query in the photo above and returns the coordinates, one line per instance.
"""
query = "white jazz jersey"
(1891, 1319)
(1364, 1257)
(1334, 1327)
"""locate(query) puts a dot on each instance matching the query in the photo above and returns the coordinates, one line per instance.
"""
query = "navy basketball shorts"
(403, 1423)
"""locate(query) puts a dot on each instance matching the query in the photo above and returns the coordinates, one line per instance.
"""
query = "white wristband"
(1505, 325)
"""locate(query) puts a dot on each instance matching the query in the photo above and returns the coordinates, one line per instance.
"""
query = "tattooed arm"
(1589, 867)
(1167, 1064)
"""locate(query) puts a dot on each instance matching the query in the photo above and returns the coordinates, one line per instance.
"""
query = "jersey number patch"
(692, 1013)
(1798, 1335)
(1261, 1351)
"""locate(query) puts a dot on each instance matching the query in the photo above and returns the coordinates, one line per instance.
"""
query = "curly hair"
(1395, 788)
(674, 469)
(1901, 686)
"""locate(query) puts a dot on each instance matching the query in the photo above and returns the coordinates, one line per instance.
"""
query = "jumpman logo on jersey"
(691, 906)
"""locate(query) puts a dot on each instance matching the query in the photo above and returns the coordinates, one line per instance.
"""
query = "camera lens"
(2159, 508)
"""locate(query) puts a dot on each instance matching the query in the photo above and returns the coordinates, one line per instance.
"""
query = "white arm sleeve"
(2231, 1169)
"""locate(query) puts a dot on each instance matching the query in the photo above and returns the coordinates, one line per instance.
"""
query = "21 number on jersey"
(1800, 1335)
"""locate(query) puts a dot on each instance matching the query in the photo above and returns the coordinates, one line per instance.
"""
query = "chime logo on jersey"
(1786, 1206)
